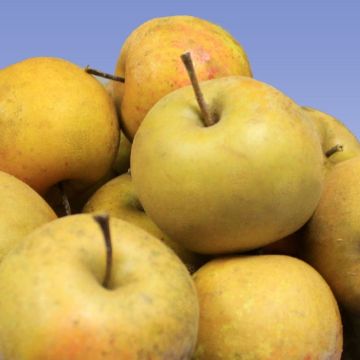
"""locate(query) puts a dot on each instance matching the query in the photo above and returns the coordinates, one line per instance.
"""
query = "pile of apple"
(184, 211)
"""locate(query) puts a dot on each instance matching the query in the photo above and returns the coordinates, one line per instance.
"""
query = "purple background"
(308, 49)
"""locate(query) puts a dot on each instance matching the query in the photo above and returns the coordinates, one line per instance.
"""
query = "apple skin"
(265, 307)
(57, 123)
(150, 62)
(332, 236)
(118, 199)
(333, 132)
(56, 307)
(252, 178)
(22, 211)
(110, 88)
(122, 161)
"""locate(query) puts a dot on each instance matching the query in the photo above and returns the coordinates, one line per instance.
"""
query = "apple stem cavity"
(64, 198)
(334, 149)
(103, 221)
(104, 75)
(207, 118)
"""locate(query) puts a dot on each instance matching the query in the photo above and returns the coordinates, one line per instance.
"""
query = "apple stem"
(104, 75)
(64, 198)
(103, 221)
(334, 149)
(207, 117)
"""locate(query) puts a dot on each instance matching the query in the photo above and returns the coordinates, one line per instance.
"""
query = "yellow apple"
(57, 123)
(266, 307)
(252, 178)
(54, 305)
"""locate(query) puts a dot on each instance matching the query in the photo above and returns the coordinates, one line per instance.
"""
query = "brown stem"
(91, 71)
(64, 198)
(103, 221)
(207, 117)
(334, 149)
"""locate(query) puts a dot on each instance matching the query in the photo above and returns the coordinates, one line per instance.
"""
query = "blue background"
(308, 49)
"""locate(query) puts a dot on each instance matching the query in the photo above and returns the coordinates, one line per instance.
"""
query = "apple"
(333, 132)
(332, 236)
(118, 199)
(58, 124)
(150, 62)
(70, 297)
(251, 178)
(22, 211)
(265, 307)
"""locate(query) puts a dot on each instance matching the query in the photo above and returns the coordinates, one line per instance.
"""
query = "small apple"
(118, 199)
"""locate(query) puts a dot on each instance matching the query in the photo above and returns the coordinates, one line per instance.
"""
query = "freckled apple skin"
(57, 123)
(150, 62)
(53, 305)
(252, 178)
(332, 236)
(267, 307)
(22, 211)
